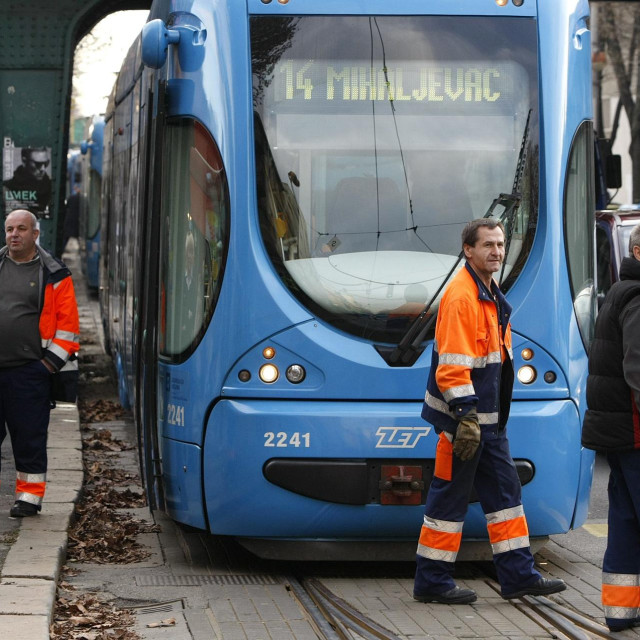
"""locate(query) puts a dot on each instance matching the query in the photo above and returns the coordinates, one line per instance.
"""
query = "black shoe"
(623, 626)
(453, 596)
(542, 587)
(22, 509)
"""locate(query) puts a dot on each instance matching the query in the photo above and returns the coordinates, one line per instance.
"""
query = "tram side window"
(195, 221)
(579, 229)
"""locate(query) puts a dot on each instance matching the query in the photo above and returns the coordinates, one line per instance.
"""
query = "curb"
(29, 575)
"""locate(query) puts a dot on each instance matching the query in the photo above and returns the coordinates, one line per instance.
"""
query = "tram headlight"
(295, 373)
(518, 3)
(501, 3)
(527, 354)
(527, 374)
(269, 373)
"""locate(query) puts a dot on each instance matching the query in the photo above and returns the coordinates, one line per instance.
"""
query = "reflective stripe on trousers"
(620, 596)
(30, 487)
(621, 562)
(494, 476)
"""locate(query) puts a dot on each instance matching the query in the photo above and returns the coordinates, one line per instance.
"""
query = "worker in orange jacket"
(467, 400)
(39, 326)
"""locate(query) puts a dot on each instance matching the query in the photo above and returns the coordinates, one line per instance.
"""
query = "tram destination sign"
(303, 84)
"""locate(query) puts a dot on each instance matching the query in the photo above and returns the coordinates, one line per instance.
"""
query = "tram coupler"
(401, 484)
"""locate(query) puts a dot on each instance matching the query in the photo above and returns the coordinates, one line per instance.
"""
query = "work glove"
(467, 437)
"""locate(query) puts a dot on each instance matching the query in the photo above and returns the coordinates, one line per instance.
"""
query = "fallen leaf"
(169, 622)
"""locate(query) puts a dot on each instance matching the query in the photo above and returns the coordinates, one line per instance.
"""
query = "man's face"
(20, 235)
(37, 164)
(487, 255)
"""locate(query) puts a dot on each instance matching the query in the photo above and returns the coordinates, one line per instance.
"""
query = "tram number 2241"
(282, 439)
(175, 415)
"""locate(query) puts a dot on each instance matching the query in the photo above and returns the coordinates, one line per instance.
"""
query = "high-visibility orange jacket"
(472, 361)
(59, 323)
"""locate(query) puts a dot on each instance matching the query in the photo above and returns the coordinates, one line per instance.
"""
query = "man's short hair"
(470, 231)
(634, 239)
(35, 223)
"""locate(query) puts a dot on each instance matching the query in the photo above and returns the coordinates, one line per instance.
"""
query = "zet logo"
(400, 437)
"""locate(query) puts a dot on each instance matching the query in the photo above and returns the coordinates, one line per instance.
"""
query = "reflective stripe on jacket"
(59, 324)
(472, 361)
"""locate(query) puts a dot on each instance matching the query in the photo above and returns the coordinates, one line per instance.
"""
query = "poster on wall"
(26, 178)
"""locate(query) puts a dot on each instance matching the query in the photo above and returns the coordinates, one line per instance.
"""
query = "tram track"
(333, 618)
(565, 622)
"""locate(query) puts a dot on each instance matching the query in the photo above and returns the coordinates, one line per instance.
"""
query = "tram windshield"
(376, 140)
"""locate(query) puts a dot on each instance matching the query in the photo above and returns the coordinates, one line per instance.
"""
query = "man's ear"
(636, 252)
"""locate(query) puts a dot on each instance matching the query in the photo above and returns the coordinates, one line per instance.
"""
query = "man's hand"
(467, 437)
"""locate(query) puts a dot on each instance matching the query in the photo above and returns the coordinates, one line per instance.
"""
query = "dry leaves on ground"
(88, 618)
(101, 534)
(98, 472)
(100, 410)
(103, 440)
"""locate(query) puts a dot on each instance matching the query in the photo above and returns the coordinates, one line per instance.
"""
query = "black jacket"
(612, 421)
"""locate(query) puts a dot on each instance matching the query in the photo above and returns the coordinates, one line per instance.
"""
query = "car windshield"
(376, 140)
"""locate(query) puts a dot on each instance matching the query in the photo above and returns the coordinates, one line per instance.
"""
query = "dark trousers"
(493, 475)
(24, 410)
(621, 563)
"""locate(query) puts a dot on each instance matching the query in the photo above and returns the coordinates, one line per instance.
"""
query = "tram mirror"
(613, 171)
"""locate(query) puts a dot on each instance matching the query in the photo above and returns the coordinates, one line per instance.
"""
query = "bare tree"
(620, 35)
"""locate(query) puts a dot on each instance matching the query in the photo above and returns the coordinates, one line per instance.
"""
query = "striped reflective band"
(443, 407)
(66, 335)
(621, 595)
(30, 487)
(507, 529)
(58, 351)
(440, 539)
(462, 391)
(30, 477)
(463, 360)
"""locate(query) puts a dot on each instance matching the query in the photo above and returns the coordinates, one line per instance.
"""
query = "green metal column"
(37, 43)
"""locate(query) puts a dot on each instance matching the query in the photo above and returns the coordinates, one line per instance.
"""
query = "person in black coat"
(612, 426)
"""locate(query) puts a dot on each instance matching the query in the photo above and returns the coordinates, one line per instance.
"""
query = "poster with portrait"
(26, 178)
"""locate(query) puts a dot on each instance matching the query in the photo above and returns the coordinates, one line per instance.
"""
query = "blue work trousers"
(24, 410)
(621, 563)
(493, 474)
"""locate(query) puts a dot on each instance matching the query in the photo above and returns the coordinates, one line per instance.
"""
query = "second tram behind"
(89, 233)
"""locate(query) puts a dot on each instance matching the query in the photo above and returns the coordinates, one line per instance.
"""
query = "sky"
(98, 59)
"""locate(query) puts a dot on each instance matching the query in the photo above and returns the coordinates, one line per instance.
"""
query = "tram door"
(149, 301)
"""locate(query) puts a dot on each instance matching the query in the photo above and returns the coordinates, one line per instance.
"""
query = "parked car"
(612, 243)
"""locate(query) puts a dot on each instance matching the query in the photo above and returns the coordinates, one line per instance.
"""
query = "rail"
(335, 619)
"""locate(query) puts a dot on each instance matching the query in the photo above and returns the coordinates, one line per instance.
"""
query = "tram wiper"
(410, 346)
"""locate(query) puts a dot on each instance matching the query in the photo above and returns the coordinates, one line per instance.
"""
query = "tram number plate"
(283, 439)
(175, 414)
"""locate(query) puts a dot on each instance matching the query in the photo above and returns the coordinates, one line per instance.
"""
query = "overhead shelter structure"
(37, 43)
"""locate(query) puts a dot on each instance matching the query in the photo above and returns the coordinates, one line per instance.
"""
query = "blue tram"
(284, 187)
(89, 234)
(74, 172)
